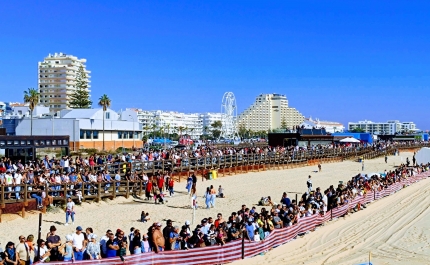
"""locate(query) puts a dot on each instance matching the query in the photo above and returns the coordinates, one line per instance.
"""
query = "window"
(119, 135)
(107, 115)
(130, 135)
(87, 134)
(95, 134)
(82, 134)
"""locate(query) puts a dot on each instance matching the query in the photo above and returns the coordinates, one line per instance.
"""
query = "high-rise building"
(57, 74)
(269, 112)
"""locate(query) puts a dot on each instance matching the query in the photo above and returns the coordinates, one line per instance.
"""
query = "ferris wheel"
(228, 116)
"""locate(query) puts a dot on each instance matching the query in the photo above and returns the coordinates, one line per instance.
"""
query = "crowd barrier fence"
(233, 251)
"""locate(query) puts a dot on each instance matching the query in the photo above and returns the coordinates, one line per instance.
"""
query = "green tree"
(104, 102)
(216, 125)
(216, 131)
(146, 129)
(80, 99)
(180, 129)
(242, 130)
(357, 130)
(168, 130)
(31, 96)
(153, 128)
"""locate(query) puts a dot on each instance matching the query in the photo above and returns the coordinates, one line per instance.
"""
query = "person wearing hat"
(78, 243)
(68, 249)
(23, 251)
(53, 241)
(158, 238)
(204, 229)
(93, 248)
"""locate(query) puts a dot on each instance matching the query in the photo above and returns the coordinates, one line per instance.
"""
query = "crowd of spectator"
(252, 224)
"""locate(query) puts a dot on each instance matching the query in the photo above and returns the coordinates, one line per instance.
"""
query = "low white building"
(85, 129)
(330, 126)
(166, 121)
(389, 127)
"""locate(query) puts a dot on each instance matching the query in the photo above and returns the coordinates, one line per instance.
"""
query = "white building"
(167, 122)
(56, 80)
(330, 126)
(389, 127)
(85, 128)
(208, 119)
(269, 112)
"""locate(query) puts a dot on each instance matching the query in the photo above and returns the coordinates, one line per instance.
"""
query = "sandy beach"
(394, 228)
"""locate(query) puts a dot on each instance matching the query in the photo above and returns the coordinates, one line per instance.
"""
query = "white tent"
(349, 140)
(423, 155)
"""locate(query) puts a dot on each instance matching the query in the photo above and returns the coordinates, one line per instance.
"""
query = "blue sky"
(335, 60)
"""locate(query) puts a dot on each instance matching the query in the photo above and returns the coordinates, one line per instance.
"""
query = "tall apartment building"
(269, 112)
(389, 127)
(56, 81)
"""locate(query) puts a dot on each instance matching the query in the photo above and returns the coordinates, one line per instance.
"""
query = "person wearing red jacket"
(160, 182)
(148, 190)
(171, 184)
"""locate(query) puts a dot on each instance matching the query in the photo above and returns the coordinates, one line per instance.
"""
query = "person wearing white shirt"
(17, 179)
(325, 201)
(78, 244)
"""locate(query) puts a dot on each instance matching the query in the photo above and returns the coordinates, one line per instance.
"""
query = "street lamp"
(133, 128)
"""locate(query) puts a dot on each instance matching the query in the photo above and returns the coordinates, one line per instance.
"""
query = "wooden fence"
(180, 170)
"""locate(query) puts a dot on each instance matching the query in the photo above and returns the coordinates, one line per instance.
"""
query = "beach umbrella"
(349, 140)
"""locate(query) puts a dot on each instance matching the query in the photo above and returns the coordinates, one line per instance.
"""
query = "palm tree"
(153, 128)
(168, 130)
(205, 131)
(31, 96)
(146, 129)
(180, 129)
(104, 102)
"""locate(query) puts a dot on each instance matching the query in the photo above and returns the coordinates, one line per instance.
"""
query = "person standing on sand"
(213, 196)
(70, 211)
(189, 184)
(207, 197)
(319, 167)
(194, 181)
(309, 183)
(158, 238)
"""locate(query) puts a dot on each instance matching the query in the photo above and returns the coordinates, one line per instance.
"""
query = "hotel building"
(56, 81)
(269, 112)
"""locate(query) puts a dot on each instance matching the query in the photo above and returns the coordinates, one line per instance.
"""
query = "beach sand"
(393, 228)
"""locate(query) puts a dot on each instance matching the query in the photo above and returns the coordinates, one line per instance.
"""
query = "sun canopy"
(349, 140)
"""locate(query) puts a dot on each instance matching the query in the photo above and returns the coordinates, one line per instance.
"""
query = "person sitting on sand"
(220, 192)
(144, 217)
